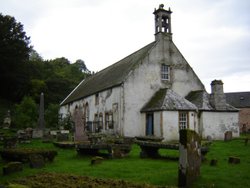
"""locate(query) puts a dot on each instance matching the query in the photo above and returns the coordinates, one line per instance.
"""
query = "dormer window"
(165, 72)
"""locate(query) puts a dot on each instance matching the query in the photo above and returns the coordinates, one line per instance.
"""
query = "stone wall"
(244, 120)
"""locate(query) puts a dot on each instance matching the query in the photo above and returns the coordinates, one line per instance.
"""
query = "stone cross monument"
(41, 113)
(39, 131)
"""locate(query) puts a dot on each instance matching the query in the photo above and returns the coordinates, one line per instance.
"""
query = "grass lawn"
(156, 172)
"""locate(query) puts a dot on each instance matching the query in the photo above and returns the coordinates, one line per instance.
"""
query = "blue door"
(149, 124)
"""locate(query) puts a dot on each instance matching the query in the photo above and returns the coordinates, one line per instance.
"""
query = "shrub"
(26, 113)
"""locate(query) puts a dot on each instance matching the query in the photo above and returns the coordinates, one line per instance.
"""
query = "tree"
(51, 115)
(26, 113)
(14, 52)
(36, 88)
(80, 64)
(34, 56)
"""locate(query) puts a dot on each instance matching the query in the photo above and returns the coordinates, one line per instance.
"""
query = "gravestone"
(36, 161)
(61, 137)
(234, 160)
(79, 134)
(189, 157)
(213, 162)
(38, 132)
(96, 160)
(7, 120)
(10, 142)
(228, 136)
(12, 167)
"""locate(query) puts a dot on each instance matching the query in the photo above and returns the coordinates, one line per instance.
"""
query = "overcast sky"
(213, 35)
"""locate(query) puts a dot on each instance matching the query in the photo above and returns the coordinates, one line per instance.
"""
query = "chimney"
(217, 97)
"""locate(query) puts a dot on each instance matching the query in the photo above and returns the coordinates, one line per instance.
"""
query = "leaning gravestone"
(190, 157)
(80, 134)
(39, 131)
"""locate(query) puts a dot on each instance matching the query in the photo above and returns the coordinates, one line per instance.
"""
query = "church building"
(153, 91)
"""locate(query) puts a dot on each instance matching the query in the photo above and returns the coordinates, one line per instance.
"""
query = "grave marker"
(80, 134)
(190, 157)
(38, 132)
(228, 136)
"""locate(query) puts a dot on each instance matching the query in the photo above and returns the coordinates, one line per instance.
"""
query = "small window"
(183, 120)
(96, 123)
(165, 72)
(100, 123)
(96, 98)
(109, 124)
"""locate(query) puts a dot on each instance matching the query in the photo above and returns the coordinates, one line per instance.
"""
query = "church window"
(96, 98)
(109, 124)
(100, 122)
(165, 72)
(183, 120)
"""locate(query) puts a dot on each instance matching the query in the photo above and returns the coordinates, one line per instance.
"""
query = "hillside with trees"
(24, 74)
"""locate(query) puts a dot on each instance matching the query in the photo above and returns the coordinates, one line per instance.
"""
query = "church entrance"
(149, 124)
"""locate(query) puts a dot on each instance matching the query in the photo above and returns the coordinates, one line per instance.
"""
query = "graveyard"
(225, 164)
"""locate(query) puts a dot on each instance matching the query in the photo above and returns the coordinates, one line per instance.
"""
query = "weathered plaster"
(215, 124)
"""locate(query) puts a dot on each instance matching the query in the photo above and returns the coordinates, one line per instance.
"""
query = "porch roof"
(167, 99)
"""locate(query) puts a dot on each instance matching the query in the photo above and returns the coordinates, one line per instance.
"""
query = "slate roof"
(109, 77)
(238, 99)
(201, 99)
(167, 99)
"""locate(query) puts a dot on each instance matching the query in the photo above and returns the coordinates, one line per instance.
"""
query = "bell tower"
(162, 22)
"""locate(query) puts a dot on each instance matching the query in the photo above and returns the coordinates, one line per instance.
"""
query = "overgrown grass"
(157, 172)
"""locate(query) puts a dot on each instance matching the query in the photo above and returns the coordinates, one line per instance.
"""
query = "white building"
(153, 91)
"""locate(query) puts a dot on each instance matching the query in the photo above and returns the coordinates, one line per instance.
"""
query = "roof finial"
(161, 6)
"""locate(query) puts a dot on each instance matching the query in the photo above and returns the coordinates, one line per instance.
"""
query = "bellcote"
(162, 22)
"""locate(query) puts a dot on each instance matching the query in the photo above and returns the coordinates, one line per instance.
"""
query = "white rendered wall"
(145, 79)
(158, 126)
(109, 101)
(170, 125)
(215, 124)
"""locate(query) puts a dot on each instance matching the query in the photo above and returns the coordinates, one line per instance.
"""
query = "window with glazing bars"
(164, 72)
(183, 120)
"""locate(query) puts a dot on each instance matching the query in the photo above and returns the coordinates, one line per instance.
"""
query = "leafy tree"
(80, 64)
(37, 87)
(51, 115)
(34, 56)
(14, 52)
(26, 113)
(60, 62)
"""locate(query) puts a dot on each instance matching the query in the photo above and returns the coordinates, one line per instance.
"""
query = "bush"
(26, 113)
(51, 115)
